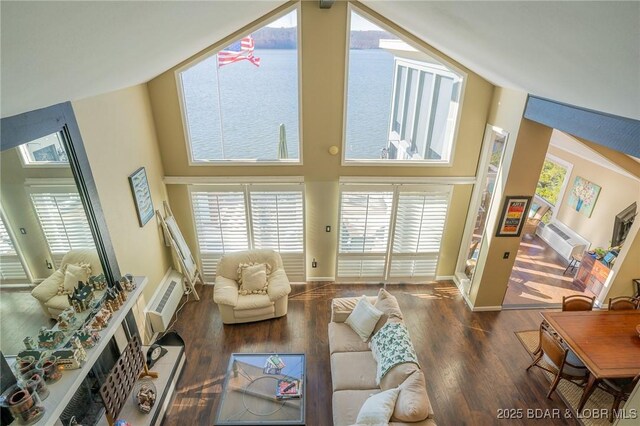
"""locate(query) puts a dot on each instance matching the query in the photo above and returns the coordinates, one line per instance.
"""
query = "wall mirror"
(50, 217)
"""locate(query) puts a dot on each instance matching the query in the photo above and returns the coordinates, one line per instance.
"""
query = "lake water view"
(254, 101)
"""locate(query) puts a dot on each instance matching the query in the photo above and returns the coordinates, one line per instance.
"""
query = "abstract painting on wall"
(583, 196)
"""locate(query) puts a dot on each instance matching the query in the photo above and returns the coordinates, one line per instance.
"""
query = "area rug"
(569, 392)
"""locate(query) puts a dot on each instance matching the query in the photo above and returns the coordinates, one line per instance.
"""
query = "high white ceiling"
(581, 53)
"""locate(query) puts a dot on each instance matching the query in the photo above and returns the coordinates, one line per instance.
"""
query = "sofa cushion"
(341, 307)
(49, 287)
(364, 318)
(397, 375)
(413, 403)
(353, 370)
(377, 409)
(253, 301)
(347, 403)
(251, 313)
(72, 275)
(388, 304)
(343, 339)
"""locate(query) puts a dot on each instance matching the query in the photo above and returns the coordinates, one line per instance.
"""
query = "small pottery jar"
(24, 364)
(34, 380)
(25, 405)
(50, 368)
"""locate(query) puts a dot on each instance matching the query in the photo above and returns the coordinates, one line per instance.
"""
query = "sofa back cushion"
(78, 256)
(388, 304)
(413, 403)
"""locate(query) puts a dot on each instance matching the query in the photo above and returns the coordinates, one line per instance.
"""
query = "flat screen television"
(622, 223)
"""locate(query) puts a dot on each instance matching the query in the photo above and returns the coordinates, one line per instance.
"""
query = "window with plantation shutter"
(10, 266)
(250, 216)
(364, 233)
(277, 221)
(391, 232)
(419, 225)
(63, 221)
(221, 226)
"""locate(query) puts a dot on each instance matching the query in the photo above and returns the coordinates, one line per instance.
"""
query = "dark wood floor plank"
(473, 362)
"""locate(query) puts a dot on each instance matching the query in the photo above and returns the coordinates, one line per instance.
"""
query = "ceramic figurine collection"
(64, 346)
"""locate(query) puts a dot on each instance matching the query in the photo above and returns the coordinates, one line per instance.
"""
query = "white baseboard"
(486, 308)
(312, 279)
(444, 278)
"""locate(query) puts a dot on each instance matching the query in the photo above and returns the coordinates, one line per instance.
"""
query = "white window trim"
(565, 183)
(16, 246)
(351, 7)
(214, 51)
(28, 164)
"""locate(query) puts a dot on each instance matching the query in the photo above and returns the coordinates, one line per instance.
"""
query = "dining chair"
(552, 357)
(578, 302)
(623, 303)
(620, 389)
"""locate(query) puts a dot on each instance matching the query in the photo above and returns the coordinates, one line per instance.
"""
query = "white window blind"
(364, 233)
(63, 221)
(10, 266)
(391, 232)
(241, 217)
(419, 225)
(277, 221)
(221, 226)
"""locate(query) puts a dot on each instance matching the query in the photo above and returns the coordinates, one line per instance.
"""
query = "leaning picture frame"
(513, 216)
(141, 195)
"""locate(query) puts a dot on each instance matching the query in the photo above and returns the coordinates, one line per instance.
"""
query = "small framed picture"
(514, 214)
(141, 195)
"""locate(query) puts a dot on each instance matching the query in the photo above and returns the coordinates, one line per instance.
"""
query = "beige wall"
(119, 137)
(19, 211)
(323, 79)
(617, 193)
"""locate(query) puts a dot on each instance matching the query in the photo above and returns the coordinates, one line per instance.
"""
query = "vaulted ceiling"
(581, 53)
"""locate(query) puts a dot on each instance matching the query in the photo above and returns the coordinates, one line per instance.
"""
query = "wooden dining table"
(605, 341)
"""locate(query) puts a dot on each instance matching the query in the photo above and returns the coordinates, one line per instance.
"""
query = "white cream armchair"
(236, 308)
(47, 291)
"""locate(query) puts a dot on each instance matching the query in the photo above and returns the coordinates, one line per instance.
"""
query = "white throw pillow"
(73, 274)
(377, 409)
(363, 318)
(254, 279)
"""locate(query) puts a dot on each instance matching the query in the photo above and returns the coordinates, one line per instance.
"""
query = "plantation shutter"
(63, 221)
(365, 217)
(277, 222)
(10, 266)
(221, 226)
(417, 237)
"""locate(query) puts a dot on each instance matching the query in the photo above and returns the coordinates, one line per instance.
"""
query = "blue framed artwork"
(141, 195)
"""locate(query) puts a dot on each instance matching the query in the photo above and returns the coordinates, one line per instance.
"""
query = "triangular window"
(402, 103)
(240, 103)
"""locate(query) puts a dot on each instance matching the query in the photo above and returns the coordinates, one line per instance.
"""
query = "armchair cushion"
(278, 285)
(225, 291)
(73, 274)
(49, 287)
(254, 279)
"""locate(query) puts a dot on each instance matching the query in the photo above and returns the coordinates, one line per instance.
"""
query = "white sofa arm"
(225, 291)
(278, 285)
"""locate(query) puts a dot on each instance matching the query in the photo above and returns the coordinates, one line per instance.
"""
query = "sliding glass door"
(391, 232)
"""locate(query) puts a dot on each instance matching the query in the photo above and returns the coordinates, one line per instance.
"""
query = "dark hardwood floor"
(538, 277)
(473, 362)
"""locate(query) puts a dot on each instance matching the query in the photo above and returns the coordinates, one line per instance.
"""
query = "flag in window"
(239, 51)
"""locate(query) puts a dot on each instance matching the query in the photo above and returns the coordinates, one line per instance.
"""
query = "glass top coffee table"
(249, 392)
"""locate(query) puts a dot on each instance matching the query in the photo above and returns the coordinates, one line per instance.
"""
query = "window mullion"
(249, 216)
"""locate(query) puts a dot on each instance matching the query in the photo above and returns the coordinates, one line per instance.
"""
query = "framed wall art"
(583, 196)
(514, 215)
(141, 195)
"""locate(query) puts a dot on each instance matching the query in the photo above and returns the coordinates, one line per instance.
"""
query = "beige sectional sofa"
(353, 370)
